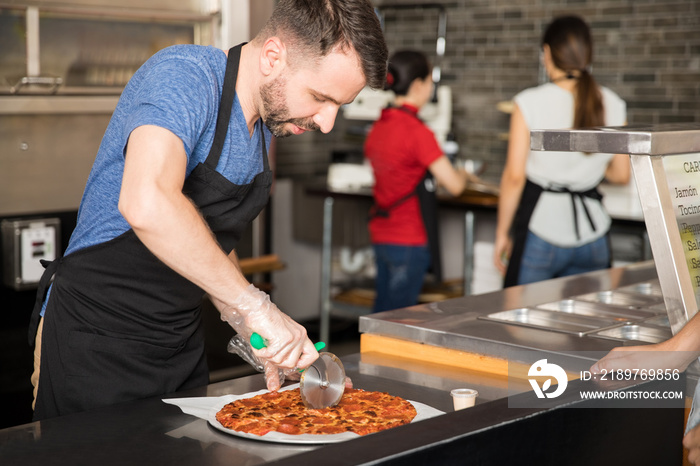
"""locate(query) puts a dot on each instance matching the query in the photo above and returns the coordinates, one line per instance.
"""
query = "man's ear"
(273, 56)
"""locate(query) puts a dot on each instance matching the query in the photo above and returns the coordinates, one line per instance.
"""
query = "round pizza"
(359, 411)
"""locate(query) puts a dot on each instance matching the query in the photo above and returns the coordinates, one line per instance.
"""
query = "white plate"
(422, 412)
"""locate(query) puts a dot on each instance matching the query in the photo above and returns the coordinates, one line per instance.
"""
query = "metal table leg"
(468, 252)
(326, 269)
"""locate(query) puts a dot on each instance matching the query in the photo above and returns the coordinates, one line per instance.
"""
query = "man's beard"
(276, 113)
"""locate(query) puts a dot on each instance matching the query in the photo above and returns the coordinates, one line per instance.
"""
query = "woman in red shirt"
(405, 155)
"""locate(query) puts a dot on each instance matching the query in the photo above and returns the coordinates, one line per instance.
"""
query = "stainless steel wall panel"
(45, 160)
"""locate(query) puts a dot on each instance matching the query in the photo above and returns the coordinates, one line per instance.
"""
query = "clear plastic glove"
(274, 376)
(240, 346)
(288, 348)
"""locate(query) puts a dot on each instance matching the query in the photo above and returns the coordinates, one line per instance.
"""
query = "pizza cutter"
(322, 384)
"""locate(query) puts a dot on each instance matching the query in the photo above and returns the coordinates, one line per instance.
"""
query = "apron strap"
(266, 163)
(591, 193)
(223, 118)
(384, 212)
(50, 269)
(528, 201)
(427, 200)
(226, 104)
(521, 222)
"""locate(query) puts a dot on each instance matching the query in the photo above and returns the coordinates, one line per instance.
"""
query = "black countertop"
(155, 433)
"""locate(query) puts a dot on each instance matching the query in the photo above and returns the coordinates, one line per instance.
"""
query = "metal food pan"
(590, 308)
(635, 332)
(622, 299)
(551, 320)
(652, 288)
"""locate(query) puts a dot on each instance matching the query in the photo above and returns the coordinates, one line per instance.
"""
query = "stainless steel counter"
(461, 323)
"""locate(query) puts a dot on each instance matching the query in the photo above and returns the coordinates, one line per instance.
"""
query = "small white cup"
(463, 398)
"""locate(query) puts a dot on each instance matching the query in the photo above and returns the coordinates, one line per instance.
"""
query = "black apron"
(521, 222)
(120, 324)
(427, 200)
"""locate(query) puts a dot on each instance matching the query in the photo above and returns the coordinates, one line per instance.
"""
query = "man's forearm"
(178, 235)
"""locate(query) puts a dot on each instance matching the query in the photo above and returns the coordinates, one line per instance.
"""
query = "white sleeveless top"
(550, 107)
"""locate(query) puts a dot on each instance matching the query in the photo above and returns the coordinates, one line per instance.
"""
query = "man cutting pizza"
(181, 171)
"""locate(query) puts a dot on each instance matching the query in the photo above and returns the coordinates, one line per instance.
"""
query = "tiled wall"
(648, 51)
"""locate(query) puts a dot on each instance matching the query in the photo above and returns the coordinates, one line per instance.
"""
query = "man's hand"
(287, 346)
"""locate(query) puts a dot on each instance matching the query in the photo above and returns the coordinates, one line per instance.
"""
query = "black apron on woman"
(120, 324)
(427, 200)
(521, 222)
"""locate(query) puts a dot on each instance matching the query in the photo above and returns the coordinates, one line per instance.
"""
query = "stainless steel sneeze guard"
(639, 140)
(669, 191)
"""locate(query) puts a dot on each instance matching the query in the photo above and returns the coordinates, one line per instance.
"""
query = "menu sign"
(683, 177)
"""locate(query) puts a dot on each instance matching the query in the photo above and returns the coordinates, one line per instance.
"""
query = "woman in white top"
(551, 221)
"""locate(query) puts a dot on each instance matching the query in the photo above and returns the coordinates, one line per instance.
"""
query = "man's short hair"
(315, 28)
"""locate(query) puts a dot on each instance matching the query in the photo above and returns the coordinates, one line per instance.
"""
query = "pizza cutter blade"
(323, 382)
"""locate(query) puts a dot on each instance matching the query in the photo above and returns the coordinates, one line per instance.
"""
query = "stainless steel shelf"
(641, 140)
(57, 104)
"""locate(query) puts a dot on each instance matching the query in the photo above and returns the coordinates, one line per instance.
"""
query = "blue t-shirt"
(179, 89)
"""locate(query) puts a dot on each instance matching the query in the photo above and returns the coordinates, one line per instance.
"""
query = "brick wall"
(648, 51)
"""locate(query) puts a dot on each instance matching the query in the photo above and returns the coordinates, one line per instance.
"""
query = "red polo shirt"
(400, 148)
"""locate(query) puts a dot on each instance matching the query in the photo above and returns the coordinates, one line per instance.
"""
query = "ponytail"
(588, 107)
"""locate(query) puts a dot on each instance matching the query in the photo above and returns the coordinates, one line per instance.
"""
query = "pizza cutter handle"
(258, 342)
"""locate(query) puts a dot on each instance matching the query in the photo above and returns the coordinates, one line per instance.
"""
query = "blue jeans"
(400, 274)
(542, 260)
